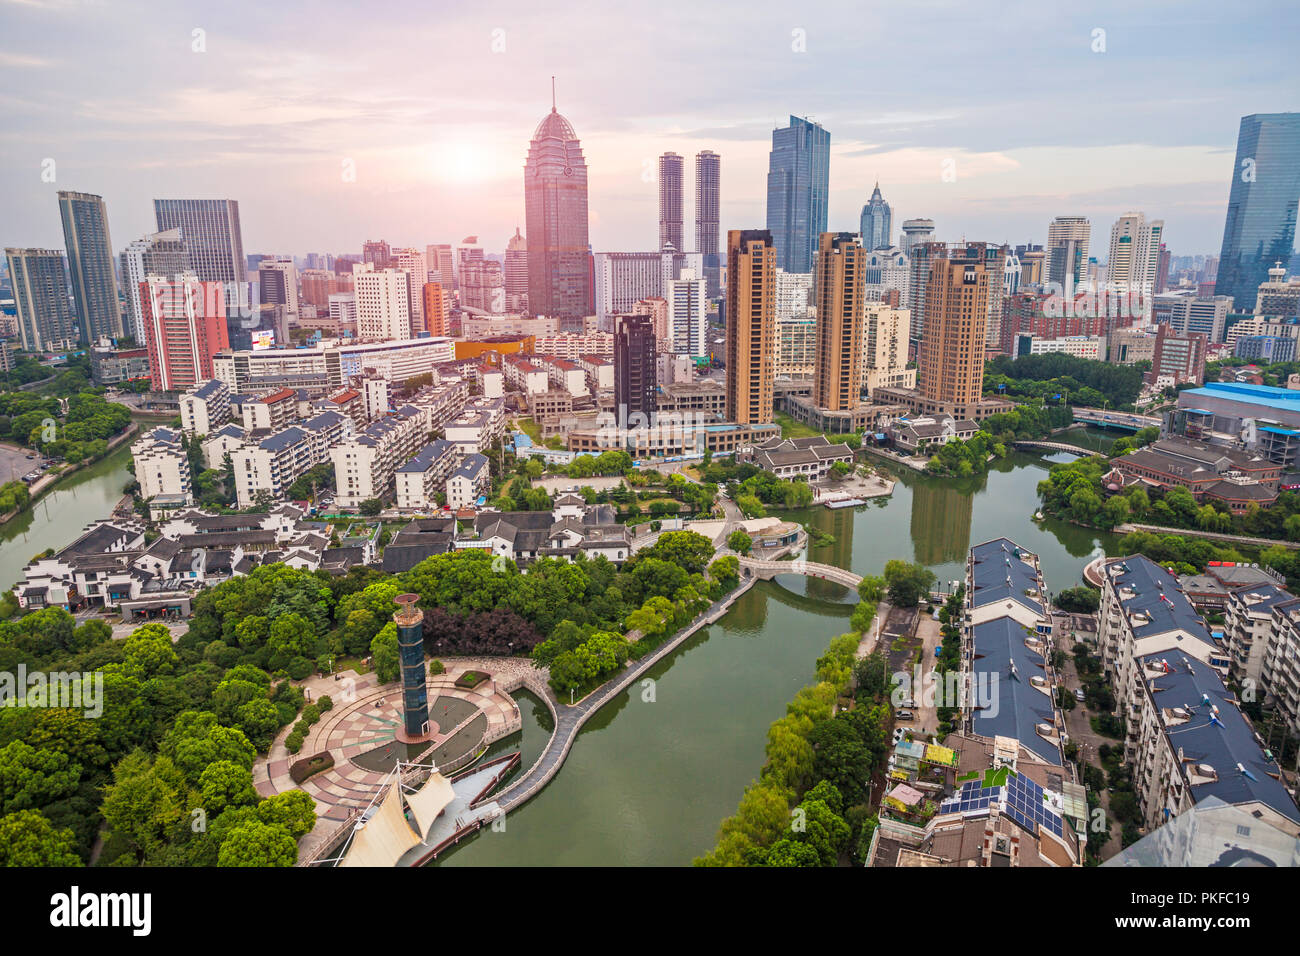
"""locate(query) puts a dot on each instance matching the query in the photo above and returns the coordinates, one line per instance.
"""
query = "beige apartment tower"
(751, 325)
(884, 348)
(951, 365)
(839, 298)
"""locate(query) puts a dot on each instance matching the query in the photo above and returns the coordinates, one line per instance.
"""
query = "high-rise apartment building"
(437, 308)
(837, 295)
(1259, 230)
(671, 196)
(1134, 259)
(634, 368)
(439, 259)
(40, 282)
(708, 204)
(162, 254)
(877, 222)
(483, 286)
(798, 180)
(383, 303)
(90, 265)
(555, 200)
(751, 325)
(951, 358)
(1067, 250)
(185, 326)
(414, 263)
(688, 315)
(884, 348)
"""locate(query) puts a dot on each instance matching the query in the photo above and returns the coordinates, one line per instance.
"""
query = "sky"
(988, 118)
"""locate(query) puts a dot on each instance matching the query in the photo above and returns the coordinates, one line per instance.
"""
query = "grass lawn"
(793, 429)
(530, 428)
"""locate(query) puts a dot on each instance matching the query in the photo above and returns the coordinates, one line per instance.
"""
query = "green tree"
(28, 839)
(907, 583)
(258, 844)
(740, 542)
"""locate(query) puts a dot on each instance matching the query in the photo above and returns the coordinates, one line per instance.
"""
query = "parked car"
(904, 715)
(1079, 694)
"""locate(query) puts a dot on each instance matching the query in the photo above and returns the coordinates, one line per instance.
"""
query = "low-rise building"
(162, 467)
(205, 408)
(1210, 472)
(270, 463)
(421, 479)
(917, 435)
(479, 426)
(808, 458)
(365, 464)
(470, 479)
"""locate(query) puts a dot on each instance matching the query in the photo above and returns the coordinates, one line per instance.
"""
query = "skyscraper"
(687, 314)
(555, 200)
(751, 325)
(915, 231)
(383, 303)
(634, 368)
(708, 201)
(670, 201)
(40, 283)
(838, 291)
(90, 265)
(162, 254)
(516, 271)
(951, 359)
(798, 177)
(1067, 250)
(210, 228)
(1260, 226)
(877, 222)
(1134, 253)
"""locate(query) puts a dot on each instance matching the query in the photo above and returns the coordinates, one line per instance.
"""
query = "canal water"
(647, 782)
(60, 516)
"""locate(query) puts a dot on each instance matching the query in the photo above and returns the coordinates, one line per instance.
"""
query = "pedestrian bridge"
(1105, 419)
(811, 569)
(1056, 446)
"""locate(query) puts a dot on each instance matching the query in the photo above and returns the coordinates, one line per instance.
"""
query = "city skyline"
(274, 130)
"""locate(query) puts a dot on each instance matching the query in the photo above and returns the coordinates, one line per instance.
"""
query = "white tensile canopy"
(385, 836)
(429, 801)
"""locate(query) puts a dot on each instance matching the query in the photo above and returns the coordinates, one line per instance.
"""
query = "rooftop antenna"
(552, 93)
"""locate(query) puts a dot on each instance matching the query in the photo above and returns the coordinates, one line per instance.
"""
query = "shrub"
(437, 667)
(310, 766)
(471, 679)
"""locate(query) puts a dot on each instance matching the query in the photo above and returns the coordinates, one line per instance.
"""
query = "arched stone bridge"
(1057, 446)
(826, 572)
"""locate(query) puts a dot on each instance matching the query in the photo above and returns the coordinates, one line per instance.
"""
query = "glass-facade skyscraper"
(555, 204)
(210, 229)
(1260, 227)
(708, 192)
(877, 225)
(90, 265)
(798, 178)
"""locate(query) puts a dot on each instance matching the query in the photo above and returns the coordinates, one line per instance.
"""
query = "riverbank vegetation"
(811, 803)
(1077, 380)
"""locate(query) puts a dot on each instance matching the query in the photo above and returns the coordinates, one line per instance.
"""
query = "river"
(647, 782)
(60, 515)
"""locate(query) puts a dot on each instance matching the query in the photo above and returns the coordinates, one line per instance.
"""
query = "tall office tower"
(415, 265)
(185, 326)
(483, 286)
(877, 222)
(162, 254)
(377, 253)
(383, 303)
(634, 368)
(277, 283)
(920, 256)
(751, 325)
(671, 201)
(1068, 238)
(1162, 271)
(1260, 226)
(437, 307)
(516, 272)
(798, 178)
(688, 315)
(210, 228)
(440, 261)
(90, 265)
(915, 231)
(1134, 253)
(837, 295)
(555, 200)
(708, 204)
(884, 348)
(40, 283)
(951, 359)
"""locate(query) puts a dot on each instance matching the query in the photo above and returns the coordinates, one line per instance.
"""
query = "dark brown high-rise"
(634, 368)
